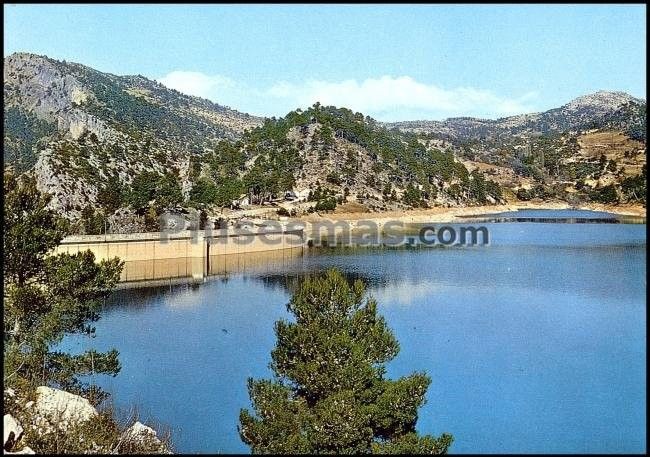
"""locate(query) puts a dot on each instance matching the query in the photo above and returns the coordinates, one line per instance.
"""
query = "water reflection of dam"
(145, 273)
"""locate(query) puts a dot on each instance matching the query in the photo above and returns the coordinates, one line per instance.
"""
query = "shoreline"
(450, 215)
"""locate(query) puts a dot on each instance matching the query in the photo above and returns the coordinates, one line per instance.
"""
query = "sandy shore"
(439, 214)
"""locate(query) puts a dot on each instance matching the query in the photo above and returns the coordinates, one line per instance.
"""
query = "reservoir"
(535, 343)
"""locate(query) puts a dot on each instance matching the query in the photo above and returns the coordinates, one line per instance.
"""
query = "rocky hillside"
(332, 154)
(590, 149)
(616, 110)
(76, 126)
(101, 142)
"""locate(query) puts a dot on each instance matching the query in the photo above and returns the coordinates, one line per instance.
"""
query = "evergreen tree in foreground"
(330, 395)
(48, 296)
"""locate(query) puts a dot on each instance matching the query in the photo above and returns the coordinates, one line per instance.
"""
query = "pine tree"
(330, 394)
(48, 296)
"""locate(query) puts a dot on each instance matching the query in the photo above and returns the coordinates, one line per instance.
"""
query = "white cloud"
(197, 83)
(386, 98)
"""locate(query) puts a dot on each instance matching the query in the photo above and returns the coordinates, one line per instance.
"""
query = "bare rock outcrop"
(66, 408)
(54, 420)
(11, 431)
(143, 438)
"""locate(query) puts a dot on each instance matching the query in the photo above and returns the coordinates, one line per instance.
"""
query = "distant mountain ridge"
(616, 109)
(80, 130)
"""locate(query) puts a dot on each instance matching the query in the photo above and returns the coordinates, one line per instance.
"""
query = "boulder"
(12, 432)
(143, 439)
(62, 407)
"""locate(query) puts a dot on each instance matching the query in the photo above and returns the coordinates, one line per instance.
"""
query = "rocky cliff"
(75, 126)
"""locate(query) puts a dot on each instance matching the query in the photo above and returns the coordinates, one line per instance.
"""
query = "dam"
(168, 257)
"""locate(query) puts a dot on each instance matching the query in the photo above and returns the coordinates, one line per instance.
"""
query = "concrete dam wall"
(196, 254)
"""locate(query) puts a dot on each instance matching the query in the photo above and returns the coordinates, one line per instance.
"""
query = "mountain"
(600, 109)
(76, 126)
(101, 142)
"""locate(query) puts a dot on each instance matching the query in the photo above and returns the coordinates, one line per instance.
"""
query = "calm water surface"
(535, 343)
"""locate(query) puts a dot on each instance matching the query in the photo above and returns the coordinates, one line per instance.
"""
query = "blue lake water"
(535, 343)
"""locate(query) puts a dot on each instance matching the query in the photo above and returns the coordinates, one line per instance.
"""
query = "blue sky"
(392, 62)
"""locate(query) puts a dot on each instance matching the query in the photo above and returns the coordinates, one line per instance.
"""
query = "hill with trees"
(107, 147)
